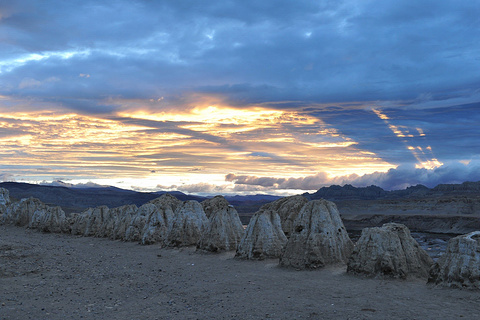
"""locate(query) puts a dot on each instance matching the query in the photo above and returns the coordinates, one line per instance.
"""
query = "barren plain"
(59, 276)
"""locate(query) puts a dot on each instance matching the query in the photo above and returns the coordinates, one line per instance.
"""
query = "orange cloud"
(169, 146)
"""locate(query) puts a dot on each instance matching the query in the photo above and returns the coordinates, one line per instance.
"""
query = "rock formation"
(264, 237)
(288, 209)
(389, 251)
(225, 229)
(96, 220)
(4, 197)
(78, 222)
(120, 219)
(50, 219)
(159, 223)
(319, 238)
(459, 266)
(21, 213)
(135, 229)
(188, 223)
(4, 202)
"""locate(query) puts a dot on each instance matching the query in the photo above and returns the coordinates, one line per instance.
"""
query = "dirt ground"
(56, 276)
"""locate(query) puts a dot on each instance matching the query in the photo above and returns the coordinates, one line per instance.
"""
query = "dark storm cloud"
(248, 51)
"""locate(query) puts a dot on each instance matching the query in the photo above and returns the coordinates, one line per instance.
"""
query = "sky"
(244, 97)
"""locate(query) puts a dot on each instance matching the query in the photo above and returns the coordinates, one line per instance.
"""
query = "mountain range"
(79, 199)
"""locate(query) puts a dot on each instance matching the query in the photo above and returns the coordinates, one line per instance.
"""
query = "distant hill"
(79, 199)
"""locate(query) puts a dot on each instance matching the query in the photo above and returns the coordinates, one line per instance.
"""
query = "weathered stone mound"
(135, 229)
(120, 219)
(389, 251)
(188, 223)
(459, 266)
(50, 219)
(264, 237)
(96, 221)
(4, 202)
(4, 197)
(34, 214)
(21, 213)
(158, 223)
(78, 222)
(225, 230)
(288, 209)
(318, 239)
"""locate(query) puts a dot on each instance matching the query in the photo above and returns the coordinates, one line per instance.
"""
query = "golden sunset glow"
(210, 141)
(163, 96)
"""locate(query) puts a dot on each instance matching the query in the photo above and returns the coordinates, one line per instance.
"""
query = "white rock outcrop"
(21, 213)
(288, 209)
(459, 266)
(78, 222)
(389, 251)
(159, 222)
(264, 237)
(319, 238)
(50, 219)
(96, 221)
(4, 197)
(120, 219)
(225, 230)
(188, 223)
(134, 231)
(4, 202)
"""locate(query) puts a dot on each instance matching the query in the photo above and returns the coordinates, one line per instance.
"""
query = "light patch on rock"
(21, 213)
(288, 209)
(318, 239)
(78, 222)
(135, 229)
(389, 251)
(159, 222)
(459, 266)
(123, 216)
(96, 219)
(4, 197)
(187, 226)
(225, 230)
(264, 237)
(50, 219)
(4, 202)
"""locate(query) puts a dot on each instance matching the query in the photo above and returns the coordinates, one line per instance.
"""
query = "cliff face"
(349, 192)
(466, 187)
(444, 205)
(419, 223)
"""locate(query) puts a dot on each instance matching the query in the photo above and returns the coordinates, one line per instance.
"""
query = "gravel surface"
(57, 276)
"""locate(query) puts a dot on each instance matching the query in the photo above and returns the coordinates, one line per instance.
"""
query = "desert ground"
(58, 276)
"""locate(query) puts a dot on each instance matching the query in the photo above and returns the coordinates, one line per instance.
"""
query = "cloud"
(394, 179)
(60, 183)
(404, 176)
(329, 62)
(303, 51)
(199, 188)
(5, 177)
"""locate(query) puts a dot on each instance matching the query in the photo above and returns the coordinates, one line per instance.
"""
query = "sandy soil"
(54, 276)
